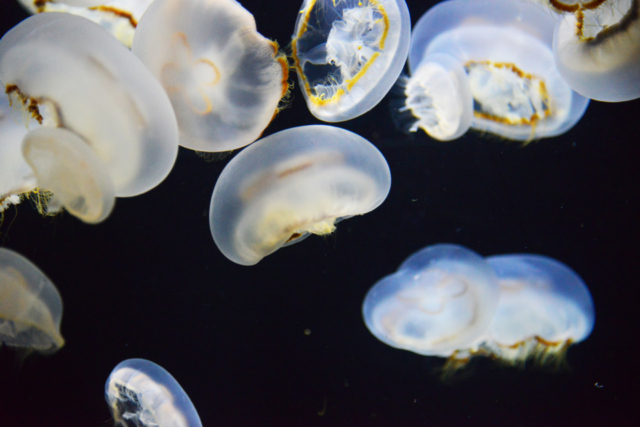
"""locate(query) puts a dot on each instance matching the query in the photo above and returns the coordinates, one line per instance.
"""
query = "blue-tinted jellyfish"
(143, 394)
(103, 126)
(224, 79)
(30, 305)
(488, 65)
(349, 53)
(291, 184)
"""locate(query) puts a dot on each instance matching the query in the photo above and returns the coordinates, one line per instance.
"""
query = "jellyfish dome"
(349, 53)
(488, 65)
(143, 394)
(291, 184)
(224, 79)
(30, 305)
(105, 126)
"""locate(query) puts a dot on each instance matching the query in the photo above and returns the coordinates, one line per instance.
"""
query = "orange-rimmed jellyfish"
(141, 393)
(349, 53)
(291, 184)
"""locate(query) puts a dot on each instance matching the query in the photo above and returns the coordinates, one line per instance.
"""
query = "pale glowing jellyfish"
(104, 127)
(439, 302)
(349, 53)
(291, 184)
(143, 394)
(119, 17)
(30, 305)
(489, 65)
(224, 79)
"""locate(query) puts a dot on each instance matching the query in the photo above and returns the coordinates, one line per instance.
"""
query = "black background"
(149, 282)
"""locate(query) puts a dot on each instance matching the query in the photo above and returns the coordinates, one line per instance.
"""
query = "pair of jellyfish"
(488, 65)
(30, 305)
(291, 184)
(141, 393)
(82, 117)
(447, 301)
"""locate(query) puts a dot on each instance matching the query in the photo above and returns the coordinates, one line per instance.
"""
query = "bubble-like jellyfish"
(119, 17)
(105, 126)
(488, 65)
(224, 79)
(30, 305)
(349, 53)
(140, 393)
(291, 184)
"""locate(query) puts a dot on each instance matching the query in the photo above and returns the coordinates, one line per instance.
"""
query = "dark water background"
(150, 283)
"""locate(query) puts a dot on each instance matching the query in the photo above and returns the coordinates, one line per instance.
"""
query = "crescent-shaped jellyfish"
(488, 65)
(224, 79)
(349, 53)
(30, 305)
(291, 184)
(143, 394)
(105, 126)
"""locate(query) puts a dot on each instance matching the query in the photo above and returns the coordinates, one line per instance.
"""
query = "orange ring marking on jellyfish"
(574, 7)
(118, 12)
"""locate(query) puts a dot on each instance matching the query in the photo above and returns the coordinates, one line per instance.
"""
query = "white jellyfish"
(224, 79)
(104, 126)
(488, 65)
(291, 184)
(140, 393)
(349, 53)
(30, 305)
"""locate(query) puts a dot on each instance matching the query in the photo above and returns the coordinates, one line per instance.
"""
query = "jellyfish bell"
(349, 53)
(224, 79)
(30, 305)
(291, 184)
(141, 393)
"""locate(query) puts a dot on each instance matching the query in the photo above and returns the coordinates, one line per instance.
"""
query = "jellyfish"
(30, 305)
(119, 17)
(349, 53)
(104, 126)
(291, 184)
(224, 79)
(488, 65)
(143, 394)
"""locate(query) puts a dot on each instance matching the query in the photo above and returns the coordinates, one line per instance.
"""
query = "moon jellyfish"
(143, 394)
(291, 184)
(104, 127)
(119, 17)
(488, 65)
(30, 305)
(349, 53)
(223, 78)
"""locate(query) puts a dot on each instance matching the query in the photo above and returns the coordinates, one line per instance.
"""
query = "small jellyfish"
(30, 305)
(291, 184)
(103, 126)
(488, 65)
(143, 394)
(349, 53)
(224, 79)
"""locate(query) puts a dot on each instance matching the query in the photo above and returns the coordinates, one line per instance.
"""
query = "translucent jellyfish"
(224, 79)
(30, 305)
(143, 394)
(349, 53)
(119, 17)
(291, 184)
(104, 126)
(489, 65)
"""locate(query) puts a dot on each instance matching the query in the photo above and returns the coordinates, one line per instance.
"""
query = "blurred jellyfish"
(103, 125)
(488, 65)
(349, 53)
(224, 79)
(143, 394)
(30, 305)
(291, 184)
(119, 17)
